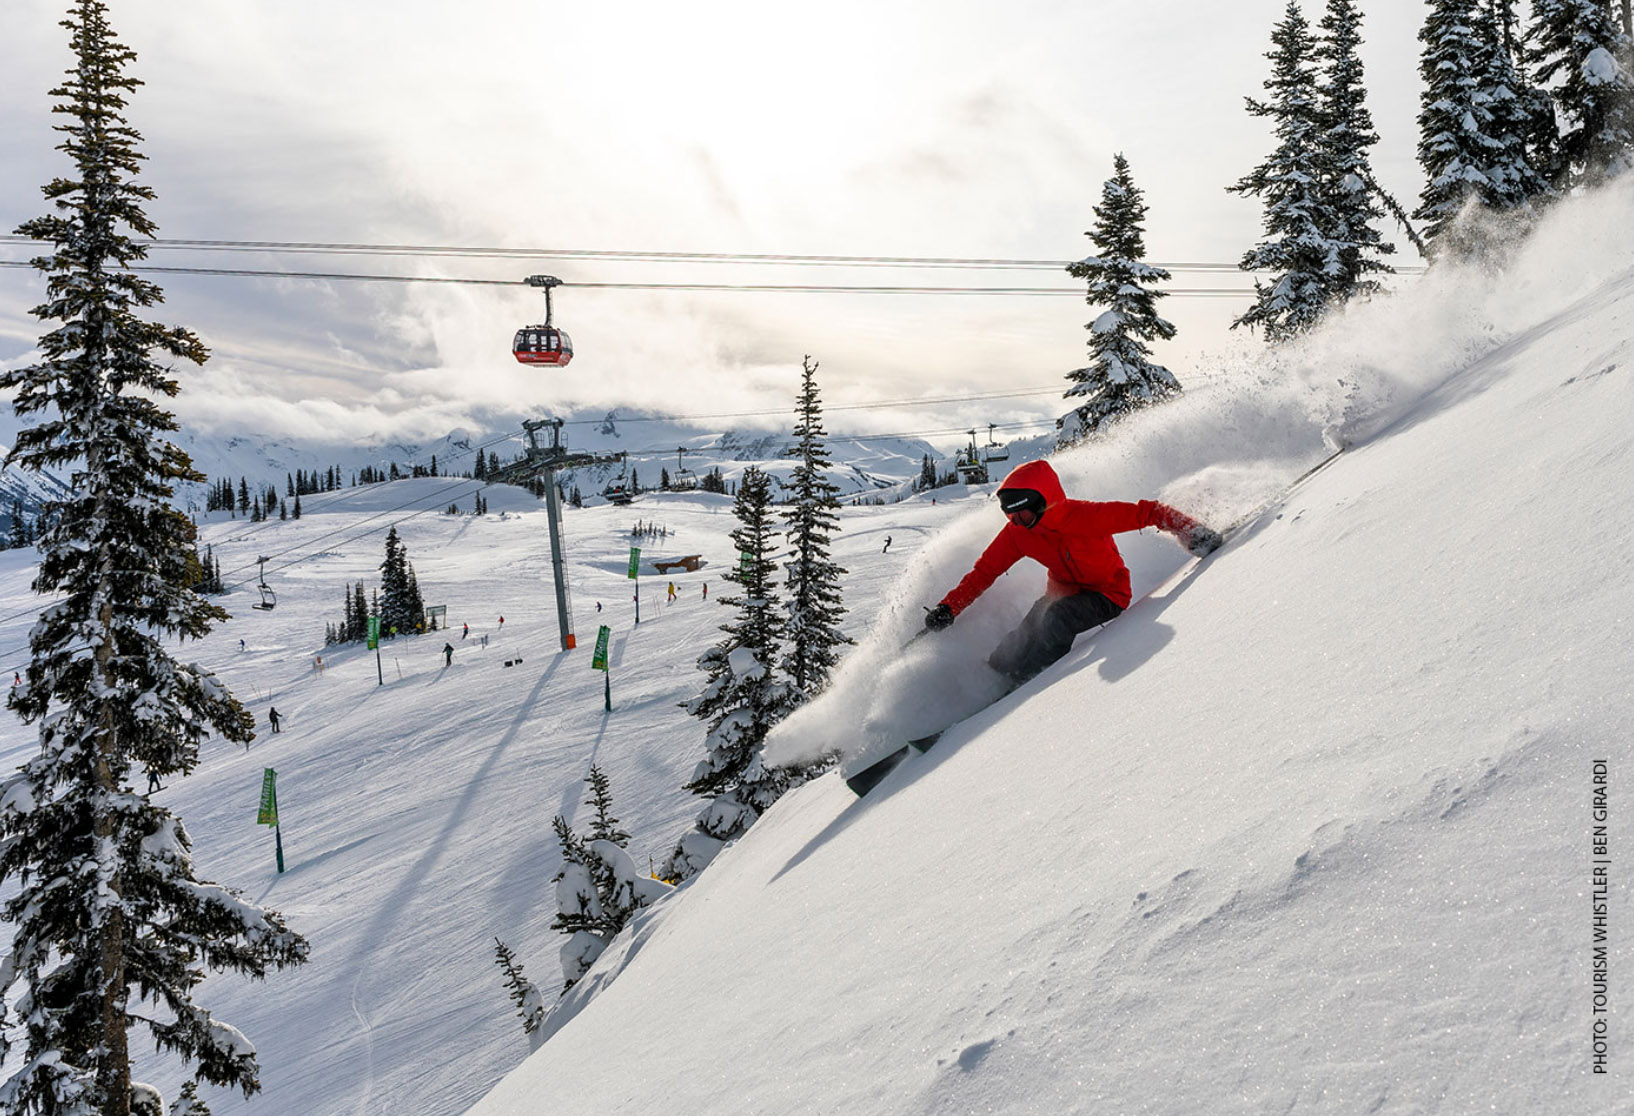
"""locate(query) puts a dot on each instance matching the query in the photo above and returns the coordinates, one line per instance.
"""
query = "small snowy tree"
(530, 1005)
(1297, 248)
(813, 585)
(743, 698)
(111, 929)
(1583, 55)
(1119, 378)
(599, 888)
(188, 1102)
(605, 827)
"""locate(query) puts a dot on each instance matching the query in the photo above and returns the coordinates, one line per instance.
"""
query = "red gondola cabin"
(537, 344)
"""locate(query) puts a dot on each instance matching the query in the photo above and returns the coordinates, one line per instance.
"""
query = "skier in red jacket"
(1072, 539)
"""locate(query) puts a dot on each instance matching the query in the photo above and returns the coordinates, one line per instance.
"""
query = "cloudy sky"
(900, 128)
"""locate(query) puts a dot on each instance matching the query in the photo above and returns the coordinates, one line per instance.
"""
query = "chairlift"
(543, 344)
(996, 451)
(269, 599)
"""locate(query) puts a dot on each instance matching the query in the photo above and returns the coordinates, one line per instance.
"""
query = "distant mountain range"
(862, 466)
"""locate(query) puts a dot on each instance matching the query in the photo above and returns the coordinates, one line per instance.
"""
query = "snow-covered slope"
(1309, 832)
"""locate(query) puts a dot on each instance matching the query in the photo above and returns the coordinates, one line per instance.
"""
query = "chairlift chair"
(269, 599)
(996, 451)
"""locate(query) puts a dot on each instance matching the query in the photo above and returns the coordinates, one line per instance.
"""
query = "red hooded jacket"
(1072, 540)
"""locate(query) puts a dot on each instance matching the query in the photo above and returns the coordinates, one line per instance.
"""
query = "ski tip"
(861, 782)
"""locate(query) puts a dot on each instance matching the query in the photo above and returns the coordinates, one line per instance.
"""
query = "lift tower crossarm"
(541, 463)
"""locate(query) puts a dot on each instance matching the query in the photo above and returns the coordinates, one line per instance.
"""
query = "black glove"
(1201, 540)
(938, 618)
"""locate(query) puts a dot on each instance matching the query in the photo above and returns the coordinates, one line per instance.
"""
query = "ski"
(871, 776)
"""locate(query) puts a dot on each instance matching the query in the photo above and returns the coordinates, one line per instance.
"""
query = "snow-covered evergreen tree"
(813, 585)
(402, 609)
(1478, 134)
(1298, 249)
(1583, 55)
(1120, 378)
(111, 929)
(743, 697)
(1346, 135)
(599, 888)
(605, 826)
(530, 1005)
(188, 1102)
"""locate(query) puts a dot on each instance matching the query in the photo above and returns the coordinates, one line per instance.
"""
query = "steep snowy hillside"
(1310, 831)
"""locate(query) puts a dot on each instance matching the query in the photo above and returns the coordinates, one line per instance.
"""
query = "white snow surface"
(1308, 830)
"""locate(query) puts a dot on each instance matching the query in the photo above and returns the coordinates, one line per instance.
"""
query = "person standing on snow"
(887, 546)
(448, 654)
(273, 718)
(1072, 539)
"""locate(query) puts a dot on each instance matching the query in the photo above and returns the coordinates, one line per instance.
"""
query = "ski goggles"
(1023, 506)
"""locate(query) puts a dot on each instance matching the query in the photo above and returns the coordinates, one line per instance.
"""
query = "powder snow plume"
(1217, 452)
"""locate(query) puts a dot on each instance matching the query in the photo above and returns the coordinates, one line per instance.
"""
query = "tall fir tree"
(1477, 134)
(1583, 54)
(813, 585)
(401, 608)
(111, 929)
(1120, 376)
(743, 696)
(1346, 136)
(1297, 248)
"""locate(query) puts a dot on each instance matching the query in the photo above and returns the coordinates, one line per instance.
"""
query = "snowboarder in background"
(706, 590)
(153, 781)
(501, 623)
(887, 546)
(671, 593)
(1072, 539)
(448, 654)
(466, 631)
(272, 716)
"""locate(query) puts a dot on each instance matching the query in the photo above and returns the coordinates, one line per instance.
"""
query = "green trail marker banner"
(374, 633)
(599, 661)
(635, 562)
(268, 814)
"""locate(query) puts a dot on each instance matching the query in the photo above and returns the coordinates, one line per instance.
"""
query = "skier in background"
(448, 654)
(887, 546)
(466, 631)
(1072, 539)
(272, 716)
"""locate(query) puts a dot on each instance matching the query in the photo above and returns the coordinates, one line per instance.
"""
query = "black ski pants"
(1046, 633)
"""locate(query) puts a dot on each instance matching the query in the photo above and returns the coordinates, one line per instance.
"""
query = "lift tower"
(541, 463)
